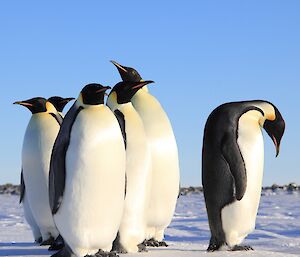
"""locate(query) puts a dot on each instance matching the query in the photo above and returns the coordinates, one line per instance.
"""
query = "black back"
(224, 175)
(57, 174)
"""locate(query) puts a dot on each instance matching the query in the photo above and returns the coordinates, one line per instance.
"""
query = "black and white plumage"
(232, 167)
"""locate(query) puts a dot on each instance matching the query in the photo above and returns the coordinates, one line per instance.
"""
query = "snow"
(277, 229)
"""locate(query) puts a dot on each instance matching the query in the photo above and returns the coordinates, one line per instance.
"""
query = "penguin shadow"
(21, 249)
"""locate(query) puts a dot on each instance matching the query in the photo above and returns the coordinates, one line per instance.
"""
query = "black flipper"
(64, 252)
(57, 165)
(120, 117)
(235, 161)
(22, 187)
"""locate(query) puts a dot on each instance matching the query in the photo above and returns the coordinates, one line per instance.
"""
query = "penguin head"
(35, 105)
(93, 94)
(125, 90)
(275, 127)
(59, 102)
(128, 73)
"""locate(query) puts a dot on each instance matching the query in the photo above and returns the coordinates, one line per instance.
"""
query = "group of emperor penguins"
(105, 178)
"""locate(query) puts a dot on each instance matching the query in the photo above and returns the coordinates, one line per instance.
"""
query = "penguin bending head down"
(38, 142)
(87, 175)
(232, 167)
(164, 154)
(132, 231)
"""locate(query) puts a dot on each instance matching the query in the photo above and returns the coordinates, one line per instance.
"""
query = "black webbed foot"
(242, 248)
(101, 253)
(214, 247)
(58, 244)
(142, 248)
(49, 241)
(154, 243)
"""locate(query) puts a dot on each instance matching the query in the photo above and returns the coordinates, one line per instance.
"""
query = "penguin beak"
(103, 89)
(23, 103)
(119, 66)
(66, 100)
(141, 84)
(275, 130)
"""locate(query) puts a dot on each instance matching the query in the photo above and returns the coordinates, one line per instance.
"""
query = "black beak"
(275, 130)
(120, 67)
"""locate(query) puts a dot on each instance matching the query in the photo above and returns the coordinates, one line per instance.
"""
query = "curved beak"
(119, 66)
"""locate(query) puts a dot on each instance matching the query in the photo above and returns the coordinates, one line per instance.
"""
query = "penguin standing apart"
(132, 231)
(164, 155)
(59, 103)
(38, 142)
(232, 167)
(87, 176)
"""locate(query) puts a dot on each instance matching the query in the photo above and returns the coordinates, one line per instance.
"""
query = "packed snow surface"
(277, 229)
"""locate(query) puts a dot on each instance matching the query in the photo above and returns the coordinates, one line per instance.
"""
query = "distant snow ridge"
(15, 189)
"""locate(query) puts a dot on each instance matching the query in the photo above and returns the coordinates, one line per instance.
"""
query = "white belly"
(92, 205)
(30, 219)
(238, 218)
(165, 164)
(37, 146)
(138, 173)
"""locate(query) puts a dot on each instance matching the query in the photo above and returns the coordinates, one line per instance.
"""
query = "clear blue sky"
(200, 54)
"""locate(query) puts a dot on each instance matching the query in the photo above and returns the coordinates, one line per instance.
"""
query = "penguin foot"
(101, 253)
(142, 248)
(213, 247)
(154, 243)
(39, 240)
(242, 248)
(49, 241)
(58, 244)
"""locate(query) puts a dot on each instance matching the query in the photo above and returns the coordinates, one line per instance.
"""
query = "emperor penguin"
(164, 156)
(132, 231)
(59, 103)
(232, 167)
(38, 142)
(87, 176)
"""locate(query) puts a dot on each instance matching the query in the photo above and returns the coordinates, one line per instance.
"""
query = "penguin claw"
(58, 244)
(142, 248)
(101, 253)
(242, 248)
(213, 247)
(154, 243)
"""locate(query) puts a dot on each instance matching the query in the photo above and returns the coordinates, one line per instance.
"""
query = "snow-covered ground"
(277, 229)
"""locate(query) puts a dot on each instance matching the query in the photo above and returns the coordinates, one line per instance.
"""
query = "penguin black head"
(275, 129)
(59, 102)
(93, 94)
(125, 90)
(128, 73)
(35, 105)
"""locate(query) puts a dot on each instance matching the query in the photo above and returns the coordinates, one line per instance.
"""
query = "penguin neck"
(268, 109)
(145, 88)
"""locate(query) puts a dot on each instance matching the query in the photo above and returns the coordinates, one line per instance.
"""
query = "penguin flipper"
(57, 171)
(22, 187)
(57, 117)
(120, 117)
(235, 161)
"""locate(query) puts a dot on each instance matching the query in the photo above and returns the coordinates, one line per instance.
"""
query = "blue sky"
(200, 54)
